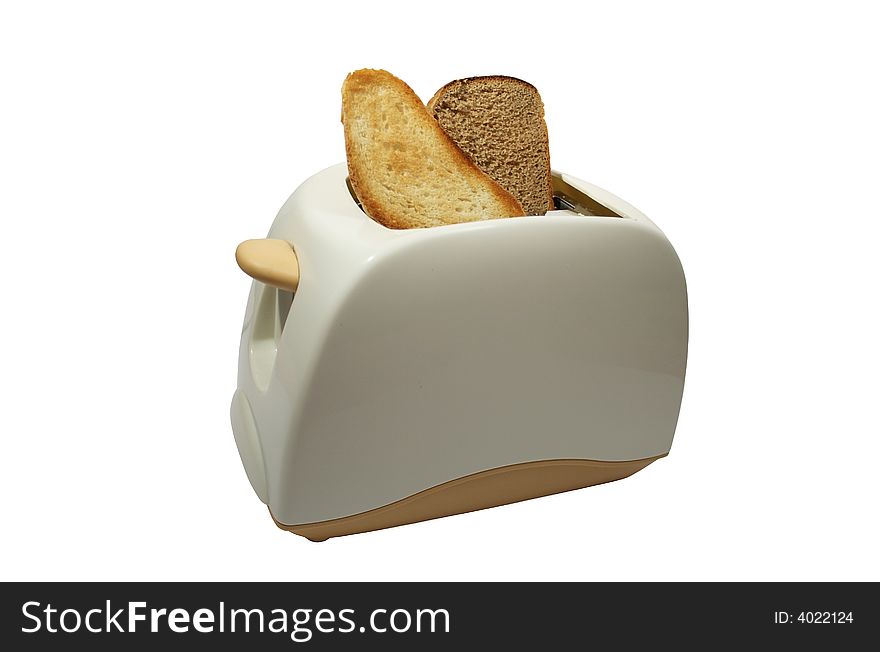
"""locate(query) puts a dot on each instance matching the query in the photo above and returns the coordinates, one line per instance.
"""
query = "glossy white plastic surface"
(413, 357)
(247, 439)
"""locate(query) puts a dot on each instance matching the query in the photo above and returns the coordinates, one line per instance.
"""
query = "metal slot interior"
(565, 198)
(353, 195)
(568, 198)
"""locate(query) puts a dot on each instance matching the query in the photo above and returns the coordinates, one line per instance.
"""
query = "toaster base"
(491, 488)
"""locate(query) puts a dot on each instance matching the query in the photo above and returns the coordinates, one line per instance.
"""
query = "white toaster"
(392, 376)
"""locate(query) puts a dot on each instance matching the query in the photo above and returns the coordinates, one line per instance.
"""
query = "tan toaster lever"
(269, 261)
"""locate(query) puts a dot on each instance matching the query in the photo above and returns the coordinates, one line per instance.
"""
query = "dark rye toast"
(499, 123)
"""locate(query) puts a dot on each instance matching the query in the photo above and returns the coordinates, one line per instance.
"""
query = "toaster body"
(420, 373)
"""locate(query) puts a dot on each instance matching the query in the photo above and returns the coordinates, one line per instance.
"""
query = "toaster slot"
(566, 198)
(273, 307)
(354, 194)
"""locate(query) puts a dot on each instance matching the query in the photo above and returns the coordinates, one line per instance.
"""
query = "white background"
(140, 142)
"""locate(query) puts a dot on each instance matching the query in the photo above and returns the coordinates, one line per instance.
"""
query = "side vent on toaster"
(273, 306)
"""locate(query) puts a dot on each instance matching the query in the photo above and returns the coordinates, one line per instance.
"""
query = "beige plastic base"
(501, 486)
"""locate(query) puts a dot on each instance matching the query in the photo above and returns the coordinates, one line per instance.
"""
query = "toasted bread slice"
(406, 172)
(499, 123)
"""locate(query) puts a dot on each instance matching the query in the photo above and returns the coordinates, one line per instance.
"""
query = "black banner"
(42, 616)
